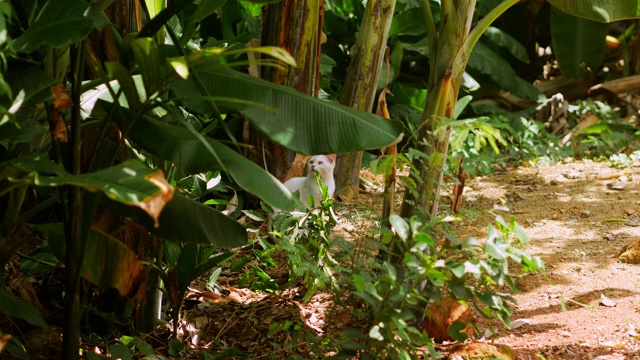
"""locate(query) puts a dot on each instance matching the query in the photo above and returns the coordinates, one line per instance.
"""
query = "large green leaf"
(182, 147)
(186, 220)
(296, 121)
(408, 22)
(17, 308)
(486, 61)
(505, 40)
(34, 81)
(130, 182)
(60, 23)
(577, 43)
(600, 10)
(204, 9)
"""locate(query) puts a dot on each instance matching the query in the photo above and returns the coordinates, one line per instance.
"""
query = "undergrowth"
(388, 300)
(510, 139)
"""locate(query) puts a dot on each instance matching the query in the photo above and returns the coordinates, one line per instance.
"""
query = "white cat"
(307, 185)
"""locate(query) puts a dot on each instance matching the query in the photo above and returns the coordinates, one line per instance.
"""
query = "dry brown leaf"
(590, 120)
(154, 205)
(62, 100)
(4, 340)
(58, 127)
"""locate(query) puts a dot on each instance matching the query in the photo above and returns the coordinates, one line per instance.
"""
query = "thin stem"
(74, 226)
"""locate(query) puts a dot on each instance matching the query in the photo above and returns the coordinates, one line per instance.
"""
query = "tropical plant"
(450, 49)
(123, 132)
(468, 271)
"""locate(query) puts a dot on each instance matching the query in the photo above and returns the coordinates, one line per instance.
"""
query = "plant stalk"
(74, 220)
(361, 82)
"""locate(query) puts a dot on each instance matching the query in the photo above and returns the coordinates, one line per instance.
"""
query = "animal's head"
(323, 164)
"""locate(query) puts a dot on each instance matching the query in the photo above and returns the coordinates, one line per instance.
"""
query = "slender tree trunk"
(295, 25)
(360, 85)
(445, 77)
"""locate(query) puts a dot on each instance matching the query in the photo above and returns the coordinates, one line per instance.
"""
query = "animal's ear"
(332, 158)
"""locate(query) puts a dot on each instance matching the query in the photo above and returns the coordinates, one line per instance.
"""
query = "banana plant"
(449, 48)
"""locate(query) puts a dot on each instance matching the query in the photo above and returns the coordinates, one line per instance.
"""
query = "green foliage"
(17, 308)
(179, 112)
(305, 237)
(606, 11)
(60, 24)
(185, 263)
(524, 139)
(578, 44)
(128, 347)
(468, 270)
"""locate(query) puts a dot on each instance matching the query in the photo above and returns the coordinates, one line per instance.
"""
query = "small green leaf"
(455, 330)
(254, 215)
(522, 234)
(458, 270)
(120, 351)
(129, 341)
(495, 251)
(144, 347)
(175, 347)
(239, 264)
(204, 9)
(179, 64)
(400, 226)
(352, 333)
(358, 282)
(390, 270)
(461, 105)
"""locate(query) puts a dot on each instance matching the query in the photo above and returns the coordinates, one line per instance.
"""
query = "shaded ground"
(578, 216)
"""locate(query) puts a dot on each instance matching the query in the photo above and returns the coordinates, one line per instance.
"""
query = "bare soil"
(578, 215)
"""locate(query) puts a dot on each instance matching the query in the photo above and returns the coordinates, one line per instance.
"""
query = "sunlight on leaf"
(179, 64)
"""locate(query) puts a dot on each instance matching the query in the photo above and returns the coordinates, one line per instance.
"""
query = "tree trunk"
(295, 25)
(361, 82)
(447, 67)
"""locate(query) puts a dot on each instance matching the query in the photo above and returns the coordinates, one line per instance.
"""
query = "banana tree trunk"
(450, 48)
(295, 25)
(360, 85)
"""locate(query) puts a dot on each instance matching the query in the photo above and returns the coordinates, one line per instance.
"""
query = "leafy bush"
(470, 271)
(305, 238)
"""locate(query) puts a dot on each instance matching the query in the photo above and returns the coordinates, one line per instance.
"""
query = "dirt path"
(573, 214)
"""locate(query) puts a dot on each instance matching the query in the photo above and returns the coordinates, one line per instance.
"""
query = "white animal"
(307, 186)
